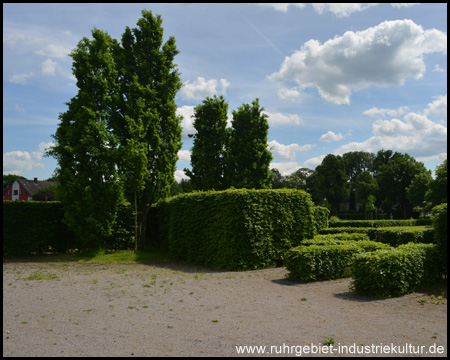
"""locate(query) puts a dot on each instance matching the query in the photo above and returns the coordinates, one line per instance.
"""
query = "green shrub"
(234, 229)
(395, 271)
(320, 218)
(325, 258)
(340, 230)
(33, 227)
(378, 223)
(439, 217)
(399, 236)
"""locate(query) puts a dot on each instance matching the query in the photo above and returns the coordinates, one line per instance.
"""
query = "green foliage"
(330, 181)
(208, 155)
(234, 229)
(31, 227)
(437, 192)
(398, 236)
(325, 258)
(320, 218)
(394, 272)
(379, 223)
(439, 217)
(248, 156)
(8, 179)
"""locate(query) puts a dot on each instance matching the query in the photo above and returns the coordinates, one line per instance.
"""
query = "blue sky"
(332, 78)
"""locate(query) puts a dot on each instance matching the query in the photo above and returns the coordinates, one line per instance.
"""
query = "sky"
(332, 78)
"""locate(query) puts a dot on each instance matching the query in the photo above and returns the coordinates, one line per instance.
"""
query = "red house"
(22, 189)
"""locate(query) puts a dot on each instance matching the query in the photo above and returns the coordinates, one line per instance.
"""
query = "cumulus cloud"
(184, 155)
(188, 122)
(383, 55)
(314, 162)
(201, 88)
(415, 134)
(17, 162)
(54, 51)
(340, 9)
(289, 94)
(331, 136)
(385, 112)
(283, 119)
(20, 78)
(49, 67)
(437, 108)
(283, 7)
(285, 168)
(179, 175)
(286, 151)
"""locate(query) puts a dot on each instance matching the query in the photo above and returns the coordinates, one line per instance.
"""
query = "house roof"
(31, 187)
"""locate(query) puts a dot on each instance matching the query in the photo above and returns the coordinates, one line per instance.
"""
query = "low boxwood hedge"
(399, 236)
(394, 271)
(325, 259)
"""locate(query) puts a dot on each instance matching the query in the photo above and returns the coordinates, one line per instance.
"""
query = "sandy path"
(169, 309)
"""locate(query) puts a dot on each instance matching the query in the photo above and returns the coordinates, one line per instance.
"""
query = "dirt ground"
(172, 309)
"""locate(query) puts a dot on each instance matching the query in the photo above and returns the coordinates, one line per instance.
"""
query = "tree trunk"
(135, 223)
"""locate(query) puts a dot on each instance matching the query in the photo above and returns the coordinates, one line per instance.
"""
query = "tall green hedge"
(36, 227)
(235, 229)
(439, 216)
(32, 227)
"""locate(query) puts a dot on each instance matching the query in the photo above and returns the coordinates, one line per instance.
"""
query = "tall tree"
(248, 156)
(145, 122)
(437, 192)
(330, 181)
(394, 177)
(208, 155)
(357, 162)
(85, 148)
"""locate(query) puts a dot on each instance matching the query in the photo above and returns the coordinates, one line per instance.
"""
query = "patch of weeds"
(422, 301)
(39, 276)
(169, 327)
(94, 281)
(328, 342)
(24, 322)
(214, 321)
(303, 299)
(88, 310)
(437, 300)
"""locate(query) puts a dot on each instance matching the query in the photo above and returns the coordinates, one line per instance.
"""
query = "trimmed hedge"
(340, 230)
(325, 259)
(32, 227)
(234, 229)
(396, 236)
(395, 271)
(320, 218)
(439, 216)
(379, 223)
(36, 227)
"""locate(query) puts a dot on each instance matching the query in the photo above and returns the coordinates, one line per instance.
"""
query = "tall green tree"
(365, 186)
(248, 155)
(393, 178)
(208, 155)
(145, 122)
(437, 192)
(85, 148)
(330, 182)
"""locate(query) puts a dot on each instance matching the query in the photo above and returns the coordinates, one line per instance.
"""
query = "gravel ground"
(172, 309)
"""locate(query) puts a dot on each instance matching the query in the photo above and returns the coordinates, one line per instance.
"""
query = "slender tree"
(85, 148)
(249, 158)
(145, 122)
(208, 155)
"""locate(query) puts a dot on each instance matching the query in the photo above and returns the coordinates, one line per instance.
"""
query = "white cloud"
(202, 88)
(289, 94)
(438, 108)
(286, 151)
(285, 168)
(341, 9)
(283, 119)
(179, 175)
(437, 68)
(383, 55)
(386, 112)
(283, 7)
(16, 162)
(54, 51)
(331, 136)
(184, 155)
(49, 67)
(188, 122)
(20, 78)
(314, 162)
